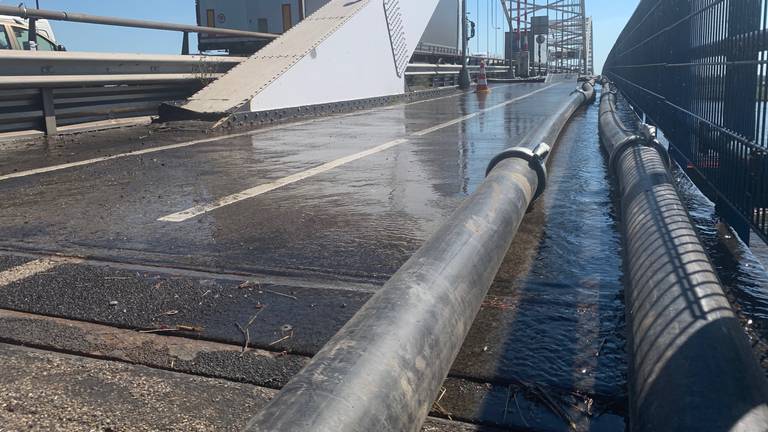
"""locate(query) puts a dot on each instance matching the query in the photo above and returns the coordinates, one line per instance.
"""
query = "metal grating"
(396, 35)
(698, 70)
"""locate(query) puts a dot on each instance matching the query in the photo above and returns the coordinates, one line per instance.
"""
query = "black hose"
(691, 366)
(383, 369)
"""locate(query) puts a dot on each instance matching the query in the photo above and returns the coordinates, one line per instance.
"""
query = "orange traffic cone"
(482, 80)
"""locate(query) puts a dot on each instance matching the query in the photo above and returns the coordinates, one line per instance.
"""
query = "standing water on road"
(743, 276)
(557, 303)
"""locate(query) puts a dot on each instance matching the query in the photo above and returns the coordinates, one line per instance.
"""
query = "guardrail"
(32, 15)
(697, 70)
(44, 90)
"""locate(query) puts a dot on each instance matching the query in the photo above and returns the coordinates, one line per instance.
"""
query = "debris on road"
(246, 330)
(166, 313)
(189, 328)
(281, 294)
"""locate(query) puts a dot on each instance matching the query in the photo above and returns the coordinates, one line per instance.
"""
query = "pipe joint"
(643, 139)
(583, 93)
(536, 159)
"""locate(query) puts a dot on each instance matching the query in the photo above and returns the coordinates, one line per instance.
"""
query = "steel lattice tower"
(569, 42)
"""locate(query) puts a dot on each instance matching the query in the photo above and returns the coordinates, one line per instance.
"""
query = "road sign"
(540, 25)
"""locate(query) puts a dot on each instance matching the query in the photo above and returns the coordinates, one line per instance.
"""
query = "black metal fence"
(697, 69)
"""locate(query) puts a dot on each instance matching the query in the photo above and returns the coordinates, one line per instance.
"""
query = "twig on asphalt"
(247, 330)
(600, 348)
(281, 294)
(247, 335)
(506, 404)
(166, 313)
(173, 329)
(519, 411)
(552, 405)
(159, 330)
(282, 339)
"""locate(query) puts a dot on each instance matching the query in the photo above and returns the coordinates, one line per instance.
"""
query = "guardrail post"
(185, 44)
(49, 111)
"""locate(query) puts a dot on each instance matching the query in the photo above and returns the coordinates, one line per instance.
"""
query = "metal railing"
(44, 90)
(697, 69)
(32, 15)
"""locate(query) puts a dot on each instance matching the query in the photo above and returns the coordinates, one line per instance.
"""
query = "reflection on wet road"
(360, 221)
(315, 216)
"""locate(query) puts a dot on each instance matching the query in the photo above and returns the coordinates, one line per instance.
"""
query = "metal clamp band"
(536, 160)
(583, 93)
(642, 141)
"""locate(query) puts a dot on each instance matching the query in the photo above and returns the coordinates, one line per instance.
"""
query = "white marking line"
(141, 152)
(261, 189)
(202, 141)
(30, 269)
(293, 178)
(475, 114)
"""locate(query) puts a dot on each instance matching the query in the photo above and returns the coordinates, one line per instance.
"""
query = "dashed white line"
(261, 189)
(31, 268)
(68, 165)
(293, 178)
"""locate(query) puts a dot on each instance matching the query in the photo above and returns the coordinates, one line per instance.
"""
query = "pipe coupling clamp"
(583, 93)
(639, 140)
(536, 159)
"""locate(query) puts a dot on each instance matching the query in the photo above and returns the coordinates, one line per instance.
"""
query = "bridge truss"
(569, 39)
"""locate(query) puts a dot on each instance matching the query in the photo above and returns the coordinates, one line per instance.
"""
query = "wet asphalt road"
(307, 255)
(361, 220)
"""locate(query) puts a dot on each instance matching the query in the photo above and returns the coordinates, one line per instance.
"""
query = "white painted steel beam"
(347, 50)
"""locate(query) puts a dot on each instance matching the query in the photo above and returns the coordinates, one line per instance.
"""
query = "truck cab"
(14, 35)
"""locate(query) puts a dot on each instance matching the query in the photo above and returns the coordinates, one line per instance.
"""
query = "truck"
(441, 39)
(14, 35)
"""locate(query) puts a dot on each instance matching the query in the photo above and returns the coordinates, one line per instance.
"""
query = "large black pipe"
(383, 369)
(691, 367)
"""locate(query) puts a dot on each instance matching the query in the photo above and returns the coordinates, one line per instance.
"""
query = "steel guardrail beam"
(23, 12)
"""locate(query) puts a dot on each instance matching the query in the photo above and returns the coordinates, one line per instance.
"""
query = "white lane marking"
(31, 268)
(141, 152)
(204, 141)
(190, 213)
(261, 189)
(475, 114)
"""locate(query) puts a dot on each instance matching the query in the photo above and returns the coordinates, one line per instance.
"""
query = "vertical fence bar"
(697, 69)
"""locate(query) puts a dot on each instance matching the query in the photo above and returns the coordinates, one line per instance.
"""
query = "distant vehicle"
(14, 35)
(440, 39)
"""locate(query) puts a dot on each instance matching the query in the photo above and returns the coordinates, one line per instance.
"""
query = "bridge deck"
(297, 225)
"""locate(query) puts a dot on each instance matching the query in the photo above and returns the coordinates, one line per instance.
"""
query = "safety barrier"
(45, 90)
(697, 70)
(692, 368)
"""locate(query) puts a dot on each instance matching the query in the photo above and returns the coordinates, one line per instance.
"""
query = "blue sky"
(609, 16)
